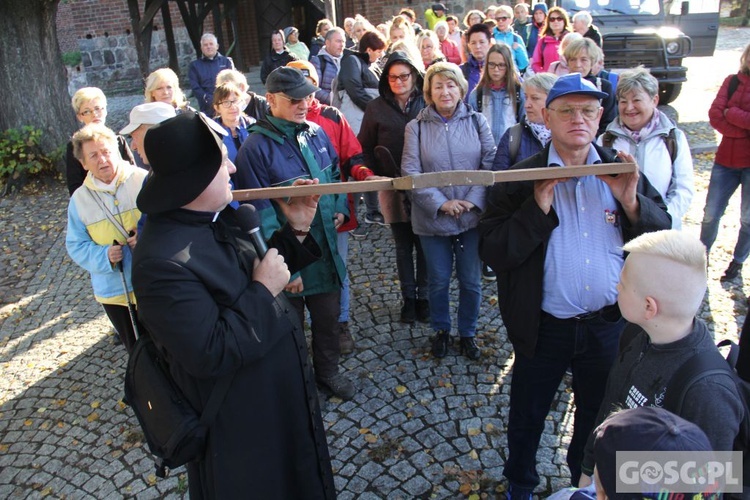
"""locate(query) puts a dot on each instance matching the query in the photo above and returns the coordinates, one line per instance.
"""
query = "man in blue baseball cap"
(556, 246)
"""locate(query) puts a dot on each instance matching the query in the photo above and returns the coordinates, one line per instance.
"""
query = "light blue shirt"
(584, 254)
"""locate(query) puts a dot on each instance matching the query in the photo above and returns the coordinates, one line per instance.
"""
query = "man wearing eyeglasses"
(503, 33)
(556, 246)
(280, 149)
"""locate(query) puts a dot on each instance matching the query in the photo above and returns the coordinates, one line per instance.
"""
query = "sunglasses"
(556, 19)
(501, 18)
(297, 102)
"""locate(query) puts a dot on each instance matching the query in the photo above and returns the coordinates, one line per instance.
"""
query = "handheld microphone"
(249, 221)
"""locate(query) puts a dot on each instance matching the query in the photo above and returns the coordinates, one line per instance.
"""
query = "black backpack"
(514, 143)
(175, 432)
(733, 84)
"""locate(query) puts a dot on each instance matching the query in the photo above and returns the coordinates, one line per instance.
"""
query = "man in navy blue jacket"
(203, 71)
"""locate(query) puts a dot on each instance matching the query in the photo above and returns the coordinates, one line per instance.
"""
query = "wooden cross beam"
(436, 179)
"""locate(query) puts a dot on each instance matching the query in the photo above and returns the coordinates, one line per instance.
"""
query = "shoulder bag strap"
(110, 216)
(215, 399)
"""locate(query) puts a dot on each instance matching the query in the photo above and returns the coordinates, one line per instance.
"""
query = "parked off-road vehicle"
(657, 34)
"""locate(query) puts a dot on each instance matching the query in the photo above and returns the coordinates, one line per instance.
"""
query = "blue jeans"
(723, 184)
(589, 348)
(342, 242)
(442, 250)
(413, 283)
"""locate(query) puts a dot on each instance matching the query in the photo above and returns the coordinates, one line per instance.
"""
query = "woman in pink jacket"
(556, 26)
(730, 115)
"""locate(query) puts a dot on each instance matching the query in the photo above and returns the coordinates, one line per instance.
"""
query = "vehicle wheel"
(668, 92)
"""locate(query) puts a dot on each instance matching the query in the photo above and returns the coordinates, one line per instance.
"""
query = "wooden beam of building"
(436, 179)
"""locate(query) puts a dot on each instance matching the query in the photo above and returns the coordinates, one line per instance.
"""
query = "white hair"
(584, 16)
(211, 36)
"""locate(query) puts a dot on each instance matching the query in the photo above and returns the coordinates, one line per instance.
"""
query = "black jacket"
(193, 281)
(594, 33)
(355, 76)
(514, 233)
(384, 122)
(274, 60)
(609, 103)
(646, 369)
(257, 106)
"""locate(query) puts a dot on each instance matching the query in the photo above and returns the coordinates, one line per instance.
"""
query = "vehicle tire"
(668, 92)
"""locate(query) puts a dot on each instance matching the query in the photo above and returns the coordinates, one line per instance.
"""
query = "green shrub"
(72, 58)
(21, 155)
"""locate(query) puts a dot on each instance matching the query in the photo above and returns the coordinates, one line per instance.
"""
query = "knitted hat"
(540, 6)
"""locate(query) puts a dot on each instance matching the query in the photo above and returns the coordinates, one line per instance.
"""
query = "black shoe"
(470, 348)
(408, 311)
(518, 494)
(375, 218)
(440, 344)
(423, 310)
(338, 385)
(487, 273)
(734, 270)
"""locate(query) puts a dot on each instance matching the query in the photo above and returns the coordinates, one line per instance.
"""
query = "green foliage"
(20, 153)
(72, 58)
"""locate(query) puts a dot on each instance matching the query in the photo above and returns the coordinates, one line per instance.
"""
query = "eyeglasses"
(496, 65)
(566, 113)
(404, 78)
(230, 104)
(501, 18)
(97, 111)
(297, 102)
(555, 19)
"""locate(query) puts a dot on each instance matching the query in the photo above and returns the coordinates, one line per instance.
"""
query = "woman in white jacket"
(659, 147)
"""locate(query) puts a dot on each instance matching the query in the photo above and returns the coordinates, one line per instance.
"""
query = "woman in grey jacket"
(449, 135)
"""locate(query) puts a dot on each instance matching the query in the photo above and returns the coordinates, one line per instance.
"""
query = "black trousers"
(324, 320)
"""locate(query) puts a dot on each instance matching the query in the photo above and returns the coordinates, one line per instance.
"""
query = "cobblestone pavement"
(417, 428)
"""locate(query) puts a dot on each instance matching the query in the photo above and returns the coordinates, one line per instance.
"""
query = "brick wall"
(94, 18)
(101, 30)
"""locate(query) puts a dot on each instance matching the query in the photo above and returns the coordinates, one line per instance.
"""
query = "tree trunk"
(33, 83)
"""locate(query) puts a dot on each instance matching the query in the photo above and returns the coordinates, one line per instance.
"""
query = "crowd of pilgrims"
(395, 99)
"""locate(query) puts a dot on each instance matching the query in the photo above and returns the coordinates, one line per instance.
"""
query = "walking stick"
(131, 307)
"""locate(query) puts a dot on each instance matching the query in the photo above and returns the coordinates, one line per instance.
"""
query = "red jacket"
(347, 147)
(734, 125)
(450, 51)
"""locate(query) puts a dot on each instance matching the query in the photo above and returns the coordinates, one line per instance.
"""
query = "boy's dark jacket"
(640, 376)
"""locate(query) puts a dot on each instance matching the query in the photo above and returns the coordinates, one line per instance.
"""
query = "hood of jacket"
(333, 59)
(399, 57)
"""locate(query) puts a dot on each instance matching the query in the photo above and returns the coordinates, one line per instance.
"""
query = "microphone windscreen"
(248, 217)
